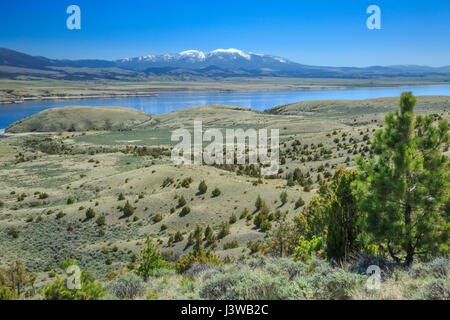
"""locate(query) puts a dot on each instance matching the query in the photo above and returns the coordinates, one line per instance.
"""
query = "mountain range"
(194, 64)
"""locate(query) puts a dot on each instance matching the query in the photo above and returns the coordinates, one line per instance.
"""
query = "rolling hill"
(80, 118)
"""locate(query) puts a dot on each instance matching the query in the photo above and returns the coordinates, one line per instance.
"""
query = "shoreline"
(76, 97)
(187, 89)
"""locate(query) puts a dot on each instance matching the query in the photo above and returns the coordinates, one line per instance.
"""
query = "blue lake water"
(167, 102)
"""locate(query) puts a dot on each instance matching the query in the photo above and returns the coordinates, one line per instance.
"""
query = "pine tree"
(181, 201)
(405, 187)
(343, 215)
(281, 237)
(224, 230)
(90, 213)
(258, 202)
(128, 209)
(208, 232)
(178, 237)
(15, 279)
(283, 197)
(202, 187)
(198, 249)
(151, 260)
(299, 203)
(216, 192)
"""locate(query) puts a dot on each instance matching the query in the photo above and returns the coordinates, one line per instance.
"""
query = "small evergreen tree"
(181, 202)
(202, 187)
(90, 213)
(101, 221)
(224, 230)
(405, 188)
(198, 248)
(216, 192)
(178, 237)
(283, 198)
(208, 232)
(343, 215)
(258, 203)
(280, 237)
(128, 209)
(299, 203)
(151, 260)
(185, 211)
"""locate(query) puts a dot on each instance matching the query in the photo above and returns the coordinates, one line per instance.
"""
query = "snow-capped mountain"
(221, 58)
(194, 64)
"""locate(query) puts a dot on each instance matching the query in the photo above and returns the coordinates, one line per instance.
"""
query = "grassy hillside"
(327, 108)
(48, 182)
(80, 119)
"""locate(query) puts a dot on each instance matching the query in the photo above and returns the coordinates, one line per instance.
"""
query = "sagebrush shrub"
(440, 267)
(336, 284)
(248, 285)
(128, 286)
(435, 289)
(197, 269)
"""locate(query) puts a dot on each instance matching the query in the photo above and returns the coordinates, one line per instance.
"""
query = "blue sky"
(315, 32)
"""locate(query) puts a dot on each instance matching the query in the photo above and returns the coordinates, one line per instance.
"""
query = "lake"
(167, 102)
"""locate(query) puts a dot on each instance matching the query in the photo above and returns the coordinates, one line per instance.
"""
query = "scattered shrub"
(434, 289)
(231, 245)
(167, 182)
(186, 182)
(185, 211)
(181, 202)
(178, 237)
(13, 233)
(90, 213)
(246, 285)
(60, 215)
(224, 230)
(283, 198)
(128, 209)
(127, 286)
(244, 214)
(43, 195)
(157, 218)
(202, 187)
(299, 203)
(216, 192)
(101, 221)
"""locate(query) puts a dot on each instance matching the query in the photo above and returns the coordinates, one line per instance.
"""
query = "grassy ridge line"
(354, 107)
(80, 119)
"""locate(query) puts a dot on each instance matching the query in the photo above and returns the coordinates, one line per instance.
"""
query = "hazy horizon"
(265, 53)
